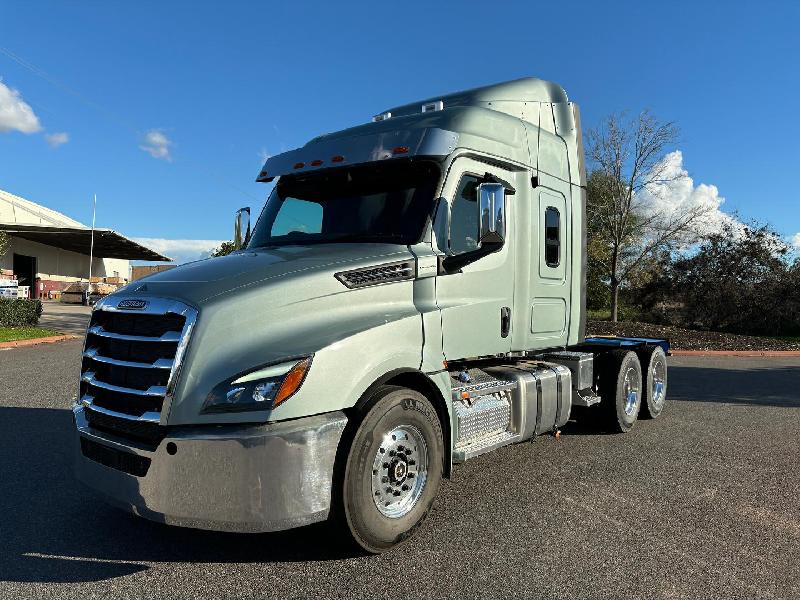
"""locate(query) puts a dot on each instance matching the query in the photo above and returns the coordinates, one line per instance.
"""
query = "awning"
(107, 243)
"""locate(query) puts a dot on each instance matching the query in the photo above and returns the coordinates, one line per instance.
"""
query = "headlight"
(262, 389)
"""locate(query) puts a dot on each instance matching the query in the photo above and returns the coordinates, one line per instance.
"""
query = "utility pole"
(91, 250)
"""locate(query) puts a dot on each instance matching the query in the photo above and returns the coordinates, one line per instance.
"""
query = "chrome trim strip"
(154, 390)
(169, 336)
(161, 363)
(148, 417)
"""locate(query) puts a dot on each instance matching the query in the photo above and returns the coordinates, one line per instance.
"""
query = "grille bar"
(161, 363)
(154, 390)
(148, 417)
(169, 336)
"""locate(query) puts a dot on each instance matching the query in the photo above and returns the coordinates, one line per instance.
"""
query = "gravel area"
(690, 339)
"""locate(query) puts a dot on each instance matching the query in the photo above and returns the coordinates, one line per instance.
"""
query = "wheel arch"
(419, 382)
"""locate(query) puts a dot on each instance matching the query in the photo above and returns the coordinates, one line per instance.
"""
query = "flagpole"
(91, 249)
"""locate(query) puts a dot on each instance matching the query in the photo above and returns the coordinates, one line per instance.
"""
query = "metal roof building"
(48, 250)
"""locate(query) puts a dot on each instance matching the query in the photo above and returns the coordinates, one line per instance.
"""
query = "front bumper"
(249, 478)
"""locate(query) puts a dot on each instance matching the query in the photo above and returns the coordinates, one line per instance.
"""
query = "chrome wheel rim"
(658, 374)
(399, 471)
(631, 386)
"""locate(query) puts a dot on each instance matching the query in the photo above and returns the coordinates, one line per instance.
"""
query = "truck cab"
(412, 295)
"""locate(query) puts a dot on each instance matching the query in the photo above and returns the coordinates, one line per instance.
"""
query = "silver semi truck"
(411, 296)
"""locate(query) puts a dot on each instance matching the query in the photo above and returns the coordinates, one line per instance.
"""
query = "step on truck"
(411, 296)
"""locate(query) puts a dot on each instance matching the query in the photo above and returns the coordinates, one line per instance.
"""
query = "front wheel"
(393, 470)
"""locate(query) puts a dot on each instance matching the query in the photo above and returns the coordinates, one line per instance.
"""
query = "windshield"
(385, 202)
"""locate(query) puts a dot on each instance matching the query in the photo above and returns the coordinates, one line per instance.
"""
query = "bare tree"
(627, 159)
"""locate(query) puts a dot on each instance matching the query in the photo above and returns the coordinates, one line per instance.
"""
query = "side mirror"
(491, 214)
(241, 228)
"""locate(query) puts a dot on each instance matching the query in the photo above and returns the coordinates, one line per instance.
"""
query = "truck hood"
(202, 281)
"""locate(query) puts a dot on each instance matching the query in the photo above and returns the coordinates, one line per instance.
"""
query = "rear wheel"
(620, 386)
(654, 393)
(393, 469)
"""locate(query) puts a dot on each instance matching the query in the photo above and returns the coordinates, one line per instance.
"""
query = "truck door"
(475, 303)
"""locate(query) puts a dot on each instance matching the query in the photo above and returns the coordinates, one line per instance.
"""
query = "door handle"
(505, 321)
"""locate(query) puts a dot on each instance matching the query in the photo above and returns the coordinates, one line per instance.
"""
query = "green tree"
(627, 158)
(3, 243)
(224, 249)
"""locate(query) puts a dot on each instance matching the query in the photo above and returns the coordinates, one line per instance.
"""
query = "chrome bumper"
(248, 478)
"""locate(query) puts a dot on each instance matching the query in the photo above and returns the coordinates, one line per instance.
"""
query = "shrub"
(16, 312)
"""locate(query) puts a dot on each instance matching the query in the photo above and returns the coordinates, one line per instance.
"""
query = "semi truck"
(412, 296)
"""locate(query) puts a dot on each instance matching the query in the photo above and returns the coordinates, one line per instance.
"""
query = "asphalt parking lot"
(702, 503)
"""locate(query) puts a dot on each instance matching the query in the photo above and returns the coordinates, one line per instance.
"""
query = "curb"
(741, 353)
(35, 341)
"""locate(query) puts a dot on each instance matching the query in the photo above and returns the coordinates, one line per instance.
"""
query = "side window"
(552, 237)
(464, 216)
(297, 216)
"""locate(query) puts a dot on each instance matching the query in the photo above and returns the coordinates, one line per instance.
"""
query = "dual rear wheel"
(632, 383)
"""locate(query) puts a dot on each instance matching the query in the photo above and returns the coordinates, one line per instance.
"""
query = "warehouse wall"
(57, 268)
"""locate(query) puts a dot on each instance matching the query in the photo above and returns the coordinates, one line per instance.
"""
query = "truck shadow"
(55, 530)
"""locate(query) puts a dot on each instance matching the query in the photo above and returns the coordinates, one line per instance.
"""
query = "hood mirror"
(241, 228)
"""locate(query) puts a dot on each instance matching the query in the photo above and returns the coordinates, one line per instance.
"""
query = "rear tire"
(654, 393)
(393, 469)
(620, 386)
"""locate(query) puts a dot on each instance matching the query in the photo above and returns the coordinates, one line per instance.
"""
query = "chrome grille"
(131, 362)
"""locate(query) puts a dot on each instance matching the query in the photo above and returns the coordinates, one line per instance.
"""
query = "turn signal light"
(292, 382)
(337, 158)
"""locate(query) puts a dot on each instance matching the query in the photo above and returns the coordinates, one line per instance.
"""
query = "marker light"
(316, 163)
(299, 165)
(338, 158)
(382, 117)
(432, 106)
(400, 150)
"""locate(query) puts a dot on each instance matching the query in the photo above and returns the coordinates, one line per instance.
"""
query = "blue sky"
(168, 107)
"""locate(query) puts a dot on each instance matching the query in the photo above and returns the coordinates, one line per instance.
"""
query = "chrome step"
(464, 452)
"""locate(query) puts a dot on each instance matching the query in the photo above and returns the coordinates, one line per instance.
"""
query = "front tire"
(393, 469)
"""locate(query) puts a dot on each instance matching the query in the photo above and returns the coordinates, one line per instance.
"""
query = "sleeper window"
(552, 237)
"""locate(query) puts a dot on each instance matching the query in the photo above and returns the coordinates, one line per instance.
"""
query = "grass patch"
(12, 334)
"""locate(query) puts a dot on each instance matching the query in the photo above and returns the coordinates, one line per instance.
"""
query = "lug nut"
(408, 451)
(412, 462)
(397, 493)
(405, 488)
(391, 452)
(410, 476)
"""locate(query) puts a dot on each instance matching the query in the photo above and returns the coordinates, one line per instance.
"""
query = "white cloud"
(678, 195)
(157, 144)
(181, 251)
(57, 139)
(15, 113)
(796, 241)
(263, 155)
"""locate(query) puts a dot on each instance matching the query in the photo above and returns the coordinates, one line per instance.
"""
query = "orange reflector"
(299, 165)
(316, 163)
(400, 150)
(292, 382)
(337, 158)
(465, 395)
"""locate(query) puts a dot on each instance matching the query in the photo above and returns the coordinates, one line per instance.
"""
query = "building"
(139, 271)
(48, 251)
